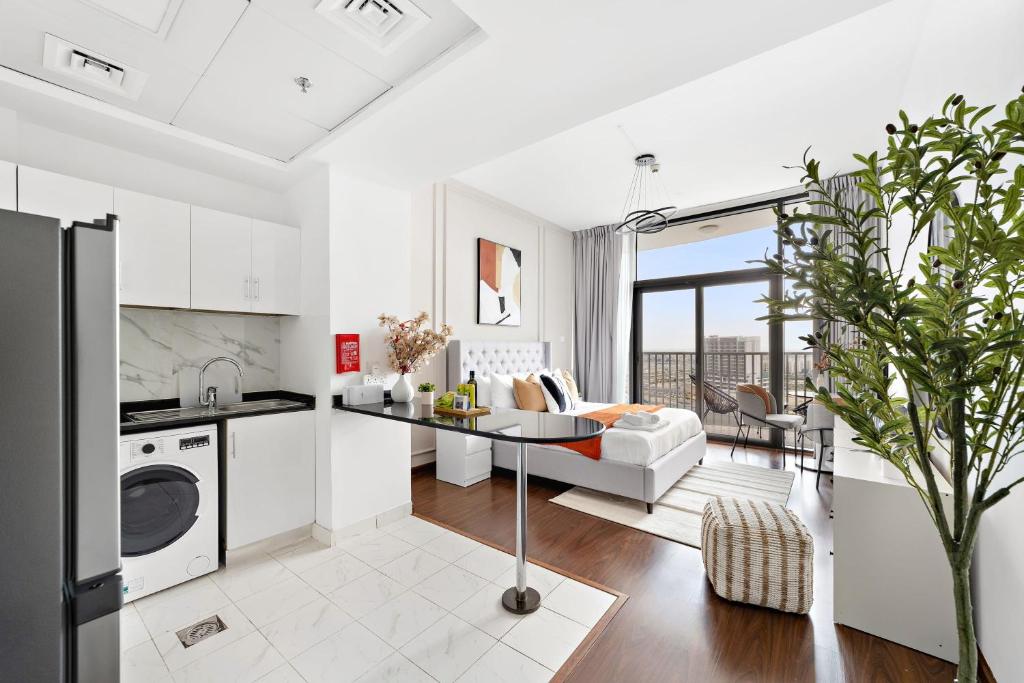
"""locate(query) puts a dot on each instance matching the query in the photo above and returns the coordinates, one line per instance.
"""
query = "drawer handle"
(233, 455)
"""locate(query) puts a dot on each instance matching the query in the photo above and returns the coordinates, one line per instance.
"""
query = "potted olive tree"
(925, 344)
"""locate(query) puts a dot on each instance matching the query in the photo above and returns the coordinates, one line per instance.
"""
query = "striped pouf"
(758, 553)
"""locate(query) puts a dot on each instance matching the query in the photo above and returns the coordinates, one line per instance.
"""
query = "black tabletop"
(522, 426)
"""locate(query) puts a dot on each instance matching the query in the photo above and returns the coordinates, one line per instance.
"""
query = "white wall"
(447, 220)
(306, 353)
(370, 262)
(998, 589)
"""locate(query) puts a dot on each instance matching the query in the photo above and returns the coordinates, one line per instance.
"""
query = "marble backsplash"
(157, 344)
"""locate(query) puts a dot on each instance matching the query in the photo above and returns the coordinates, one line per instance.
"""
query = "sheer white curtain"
(624, 320)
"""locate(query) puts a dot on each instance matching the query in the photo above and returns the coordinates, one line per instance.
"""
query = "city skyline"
(729, 310)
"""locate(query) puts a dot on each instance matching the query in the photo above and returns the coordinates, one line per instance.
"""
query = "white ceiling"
(530, 104)
(225, 69)
(548, 66)
(727, 134)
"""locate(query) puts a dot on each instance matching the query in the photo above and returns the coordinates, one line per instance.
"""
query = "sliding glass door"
(696, 338)
(669, 346)
(736, 346)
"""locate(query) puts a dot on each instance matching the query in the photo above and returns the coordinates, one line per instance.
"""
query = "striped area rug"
(677, 514)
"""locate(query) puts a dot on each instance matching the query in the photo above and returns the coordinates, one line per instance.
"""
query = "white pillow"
(483, 391)
(501, 391)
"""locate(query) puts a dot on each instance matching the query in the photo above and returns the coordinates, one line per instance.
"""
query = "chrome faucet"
(208, 398)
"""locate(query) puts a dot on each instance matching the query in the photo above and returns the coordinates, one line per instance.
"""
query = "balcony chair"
(717, 401)
(819, 427)
(757, 409)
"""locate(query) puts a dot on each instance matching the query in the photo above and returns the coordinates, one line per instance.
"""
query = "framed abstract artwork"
(499, 271)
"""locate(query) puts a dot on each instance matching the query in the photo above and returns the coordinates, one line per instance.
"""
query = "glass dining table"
(521, 427)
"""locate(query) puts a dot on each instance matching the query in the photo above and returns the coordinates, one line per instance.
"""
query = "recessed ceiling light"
(708, 227)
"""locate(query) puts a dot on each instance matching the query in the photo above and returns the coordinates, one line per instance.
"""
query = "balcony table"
(521, 427)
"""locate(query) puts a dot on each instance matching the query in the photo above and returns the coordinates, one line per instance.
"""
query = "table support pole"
(520, 598)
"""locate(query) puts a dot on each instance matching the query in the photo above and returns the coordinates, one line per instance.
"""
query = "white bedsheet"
(640, 448)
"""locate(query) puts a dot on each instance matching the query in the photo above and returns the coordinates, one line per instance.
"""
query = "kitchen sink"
(266, 404)
(202, 411)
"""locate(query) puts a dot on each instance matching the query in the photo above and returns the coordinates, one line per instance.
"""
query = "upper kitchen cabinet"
(69, 199)
(245, 265)
(8, 186)
(275, 268)
(154, 250)
(221, 248)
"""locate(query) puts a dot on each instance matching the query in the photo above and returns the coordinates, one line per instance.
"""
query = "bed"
(638, 465)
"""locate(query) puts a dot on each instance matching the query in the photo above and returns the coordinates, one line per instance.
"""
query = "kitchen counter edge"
(129, 427)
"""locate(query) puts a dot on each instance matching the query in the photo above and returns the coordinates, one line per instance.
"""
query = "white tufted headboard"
(485, 357)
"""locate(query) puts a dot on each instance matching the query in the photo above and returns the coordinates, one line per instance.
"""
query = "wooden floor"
(674, 628)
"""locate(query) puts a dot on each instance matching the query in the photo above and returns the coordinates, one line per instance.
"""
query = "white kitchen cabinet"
(221, 249)
(275, 268)
(154, 250)
(69, 199)
(8, 186)
(269, 480)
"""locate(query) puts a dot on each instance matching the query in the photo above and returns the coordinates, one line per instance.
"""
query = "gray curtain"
(851, 197)
(597, 254)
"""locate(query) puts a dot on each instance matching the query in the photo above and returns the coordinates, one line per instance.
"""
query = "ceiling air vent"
(383, 24)
(89, 67)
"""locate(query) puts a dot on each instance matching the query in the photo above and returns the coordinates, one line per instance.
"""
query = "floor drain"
(190, 635)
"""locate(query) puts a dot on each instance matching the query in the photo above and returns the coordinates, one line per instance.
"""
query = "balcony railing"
(665, 380)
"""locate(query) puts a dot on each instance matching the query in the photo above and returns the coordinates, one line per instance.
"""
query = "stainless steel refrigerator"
(60, 583)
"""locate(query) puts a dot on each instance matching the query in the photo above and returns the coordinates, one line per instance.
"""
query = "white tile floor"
(409, 602)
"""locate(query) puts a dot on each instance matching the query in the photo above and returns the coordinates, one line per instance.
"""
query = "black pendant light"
(646, 192)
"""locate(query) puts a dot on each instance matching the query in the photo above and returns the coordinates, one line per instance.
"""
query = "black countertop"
(128, 427)
(503, 424)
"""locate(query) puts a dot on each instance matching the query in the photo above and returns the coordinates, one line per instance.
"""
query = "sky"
(728, 309)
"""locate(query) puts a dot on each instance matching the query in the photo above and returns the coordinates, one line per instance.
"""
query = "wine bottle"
(472, 392)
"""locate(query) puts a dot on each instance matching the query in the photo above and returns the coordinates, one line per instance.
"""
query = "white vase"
(402, 391)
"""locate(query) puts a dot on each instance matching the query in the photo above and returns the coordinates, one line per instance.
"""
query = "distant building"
(734, 360)
(717, 344)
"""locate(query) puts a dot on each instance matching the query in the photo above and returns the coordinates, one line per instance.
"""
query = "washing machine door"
(158, 506)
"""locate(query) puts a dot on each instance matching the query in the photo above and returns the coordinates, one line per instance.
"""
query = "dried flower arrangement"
(411, 343)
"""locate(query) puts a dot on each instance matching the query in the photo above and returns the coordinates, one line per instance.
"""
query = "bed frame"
(646, 484)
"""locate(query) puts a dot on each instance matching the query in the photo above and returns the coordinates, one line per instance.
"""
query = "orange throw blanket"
(606, 416)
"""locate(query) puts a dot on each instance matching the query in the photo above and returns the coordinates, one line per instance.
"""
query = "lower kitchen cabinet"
(269, 478)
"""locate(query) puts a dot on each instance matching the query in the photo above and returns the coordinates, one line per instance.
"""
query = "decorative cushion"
(758, 553)
(555, 394)
(502, 395)
(529, 395)
(760, 392)
(483, 391)
(784, 420)
(570, 384)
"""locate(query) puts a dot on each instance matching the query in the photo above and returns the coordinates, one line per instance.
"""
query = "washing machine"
(169, 509)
